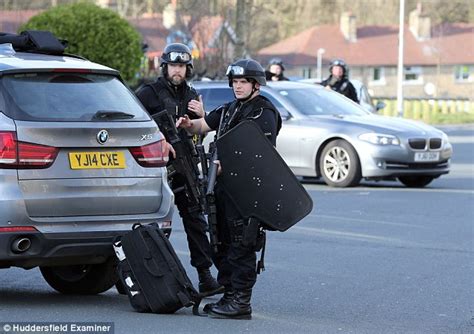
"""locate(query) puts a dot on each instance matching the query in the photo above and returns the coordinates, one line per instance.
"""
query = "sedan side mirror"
(380, 105)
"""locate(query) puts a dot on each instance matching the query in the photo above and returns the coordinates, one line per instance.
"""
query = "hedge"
(95, 33)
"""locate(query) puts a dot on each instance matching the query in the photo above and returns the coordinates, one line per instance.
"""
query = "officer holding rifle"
(171, 97)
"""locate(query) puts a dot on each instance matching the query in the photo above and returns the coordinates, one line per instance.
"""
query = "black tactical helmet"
(338, 62)
(248, 69)
(176, 53)
(276, 61)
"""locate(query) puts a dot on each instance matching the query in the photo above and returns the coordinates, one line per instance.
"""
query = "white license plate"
(426, 156)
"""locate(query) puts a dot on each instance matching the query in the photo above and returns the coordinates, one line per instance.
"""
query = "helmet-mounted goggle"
(338, 63)
(235, 70)
(179, 56)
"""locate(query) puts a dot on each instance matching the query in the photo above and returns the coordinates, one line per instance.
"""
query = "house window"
(377, 76)
(307, 73)
(463, 72)
(413, 75)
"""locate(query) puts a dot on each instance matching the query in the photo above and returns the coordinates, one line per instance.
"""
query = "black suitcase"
(152, 273)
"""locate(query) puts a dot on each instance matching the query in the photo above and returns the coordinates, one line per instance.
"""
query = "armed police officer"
(338, 80)
(236, 260)
(275, 70)
(172, 93)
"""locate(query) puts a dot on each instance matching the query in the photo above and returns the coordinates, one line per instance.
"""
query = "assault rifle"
(199, 187)
(208, 180)
(185, 162)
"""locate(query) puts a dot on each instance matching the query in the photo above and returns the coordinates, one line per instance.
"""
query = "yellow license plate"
(96, 160)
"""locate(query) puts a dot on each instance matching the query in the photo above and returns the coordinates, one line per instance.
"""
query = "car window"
(214, 97)
(68, 97)
(281, 109)
(315, 102)
(2, 104)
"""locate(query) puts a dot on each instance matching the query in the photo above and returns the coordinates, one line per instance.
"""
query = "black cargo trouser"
(236, 263)
(195, 226)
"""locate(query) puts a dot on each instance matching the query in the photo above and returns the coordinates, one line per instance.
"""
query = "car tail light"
(21, 155)
(36, 156)
(152, 155)
(18, 229)
(8, 149)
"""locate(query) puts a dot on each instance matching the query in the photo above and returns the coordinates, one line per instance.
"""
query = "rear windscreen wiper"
(111, 114)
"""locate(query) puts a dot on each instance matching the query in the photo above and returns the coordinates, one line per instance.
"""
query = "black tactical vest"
(174, 99)
(236, 111)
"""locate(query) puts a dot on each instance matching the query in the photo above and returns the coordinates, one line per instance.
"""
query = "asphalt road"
(378, 258)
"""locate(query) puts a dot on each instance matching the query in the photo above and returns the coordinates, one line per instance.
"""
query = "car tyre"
(416, 181)
(87, 279)
(339, 164)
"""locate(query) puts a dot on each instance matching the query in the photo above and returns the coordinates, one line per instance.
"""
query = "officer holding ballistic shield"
(236, 258)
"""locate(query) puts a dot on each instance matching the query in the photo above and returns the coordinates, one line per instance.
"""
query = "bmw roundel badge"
(102, 136)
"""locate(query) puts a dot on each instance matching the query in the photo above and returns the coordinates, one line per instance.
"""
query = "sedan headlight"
(379, 139)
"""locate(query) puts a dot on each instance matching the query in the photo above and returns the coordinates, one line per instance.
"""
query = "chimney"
(420, 24)
(169, 15)
(348, 26)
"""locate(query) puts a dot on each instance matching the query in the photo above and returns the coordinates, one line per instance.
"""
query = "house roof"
(11, 20)
(153, 32)
(203, 32)
(376, 45)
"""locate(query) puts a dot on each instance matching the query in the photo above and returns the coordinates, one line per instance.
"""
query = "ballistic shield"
(257, 179)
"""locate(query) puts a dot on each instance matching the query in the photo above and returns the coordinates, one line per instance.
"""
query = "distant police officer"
(275, 70)
(338, 80)
(171, 92)
(236, 261)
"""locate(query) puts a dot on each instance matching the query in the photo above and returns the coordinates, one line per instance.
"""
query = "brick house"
(438, 61)
(211, 38)
(11, 20)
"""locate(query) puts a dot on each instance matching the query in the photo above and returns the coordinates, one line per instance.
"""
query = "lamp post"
(400, 60)
(319, 63)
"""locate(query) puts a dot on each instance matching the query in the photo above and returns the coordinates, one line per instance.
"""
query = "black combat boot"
(226, 298)
(238, 308)
(208, 285)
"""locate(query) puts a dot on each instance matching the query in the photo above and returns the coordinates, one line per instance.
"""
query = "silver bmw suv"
(81, 161)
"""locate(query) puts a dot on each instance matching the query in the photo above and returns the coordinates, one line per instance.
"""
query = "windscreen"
(312, 101)
(69, 97)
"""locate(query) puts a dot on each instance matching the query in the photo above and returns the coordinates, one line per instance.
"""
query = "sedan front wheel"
(339, 164)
